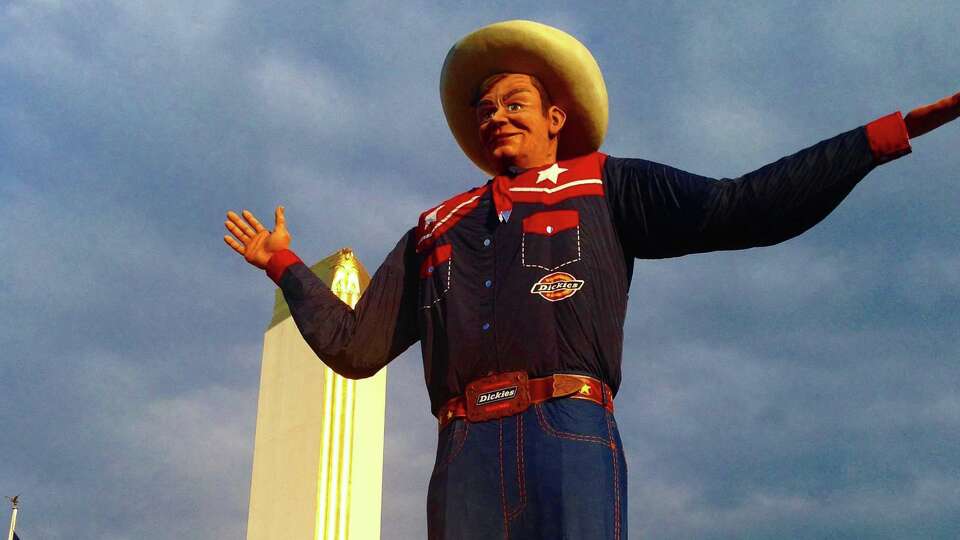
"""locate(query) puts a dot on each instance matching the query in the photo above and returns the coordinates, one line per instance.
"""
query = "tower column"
(318, 449)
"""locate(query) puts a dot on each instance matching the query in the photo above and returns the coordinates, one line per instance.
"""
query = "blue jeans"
(555, 471)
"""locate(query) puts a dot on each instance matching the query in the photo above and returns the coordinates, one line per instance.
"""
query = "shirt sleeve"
(660, 211)
(355, 343)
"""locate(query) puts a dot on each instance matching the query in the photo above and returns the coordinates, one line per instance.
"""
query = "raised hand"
(930, 117)
(256, 243)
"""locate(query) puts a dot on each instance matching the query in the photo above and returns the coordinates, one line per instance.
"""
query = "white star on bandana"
(431, 218)
(550, 174)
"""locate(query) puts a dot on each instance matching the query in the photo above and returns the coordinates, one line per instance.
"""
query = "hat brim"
(566, 68)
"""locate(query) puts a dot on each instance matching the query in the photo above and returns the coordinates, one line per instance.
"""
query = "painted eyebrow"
(483, 102)
(515, 91)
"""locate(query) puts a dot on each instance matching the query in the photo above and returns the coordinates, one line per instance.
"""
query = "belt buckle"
(498, 395)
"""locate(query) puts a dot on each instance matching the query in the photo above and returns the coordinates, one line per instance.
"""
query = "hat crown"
(564, 65)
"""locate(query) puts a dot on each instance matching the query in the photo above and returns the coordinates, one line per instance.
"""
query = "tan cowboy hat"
(565, 67)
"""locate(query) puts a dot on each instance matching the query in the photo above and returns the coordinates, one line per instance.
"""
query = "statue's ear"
(557, 119)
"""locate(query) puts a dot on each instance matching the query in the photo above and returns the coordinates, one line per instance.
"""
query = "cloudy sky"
(806, 390)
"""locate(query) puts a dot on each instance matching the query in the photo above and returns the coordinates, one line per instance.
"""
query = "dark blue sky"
(806, 390)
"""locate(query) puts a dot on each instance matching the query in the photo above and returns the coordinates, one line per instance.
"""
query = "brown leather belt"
(505, 394)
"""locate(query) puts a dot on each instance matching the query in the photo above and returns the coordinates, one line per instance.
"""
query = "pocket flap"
(438, 256)
(552, 222)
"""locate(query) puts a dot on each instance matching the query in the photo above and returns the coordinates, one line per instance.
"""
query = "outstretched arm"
(354, 342)
(661, 211)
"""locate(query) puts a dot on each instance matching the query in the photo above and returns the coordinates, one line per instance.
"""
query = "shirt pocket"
(436, 275)
(551, 239)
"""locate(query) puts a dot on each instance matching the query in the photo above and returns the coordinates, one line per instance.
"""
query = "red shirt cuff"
(888, 137)
(279, 263)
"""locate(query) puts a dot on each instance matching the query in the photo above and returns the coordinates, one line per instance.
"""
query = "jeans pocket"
(450, 443)
(575, 420)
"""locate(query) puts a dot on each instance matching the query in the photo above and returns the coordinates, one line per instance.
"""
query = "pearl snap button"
(549, 229)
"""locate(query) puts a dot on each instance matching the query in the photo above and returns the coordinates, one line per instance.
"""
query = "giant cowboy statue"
(528, 445)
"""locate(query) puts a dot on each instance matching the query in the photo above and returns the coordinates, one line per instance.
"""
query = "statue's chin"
(501, 162)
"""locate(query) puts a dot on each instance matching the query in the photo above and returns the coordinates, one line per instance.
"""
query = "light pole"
(14, 501)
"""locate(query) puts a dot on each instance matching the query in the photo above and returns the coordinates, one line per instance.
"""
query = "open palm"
(252, 240)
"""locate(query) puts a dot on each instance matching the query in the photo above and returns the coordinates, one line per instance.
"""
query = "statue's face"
(514, 127)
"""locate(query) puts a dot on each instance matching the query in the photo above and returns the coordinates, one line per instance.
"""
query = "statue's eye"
(485, 114)
(514, 107)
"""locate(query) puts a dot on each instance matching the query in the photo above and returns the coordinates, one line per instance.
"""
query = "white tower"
(318, 450)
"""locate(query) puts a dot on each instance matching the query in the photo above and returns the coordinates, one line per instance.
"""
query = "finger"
(239, 222)
(234, 244)
(257, 226)
(279, 218)
(255, 245)
(237, 232)
(949, 101)
(929, 117)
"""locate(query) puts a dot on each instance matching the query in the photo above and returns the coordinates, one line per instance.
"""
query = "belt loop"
(607, 395)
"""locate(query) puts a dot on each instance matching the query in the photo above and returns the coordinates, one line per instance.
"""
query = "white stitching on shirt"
(446, 217)
(523, 256)
(558, 188)
(449, 281)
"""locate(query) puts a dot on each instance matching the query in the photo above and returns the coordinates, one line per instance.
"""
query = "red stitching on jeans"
(523, 492)
(566, 435)
(616, 482)
(503, 494)
(455, 452)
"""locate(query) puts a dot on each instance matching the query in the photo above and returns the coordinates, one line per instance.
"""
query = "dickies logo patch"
(503, 394)
(557, 286)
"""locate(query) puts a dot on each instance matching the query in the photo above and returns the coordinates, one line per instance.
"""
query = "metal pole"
(13, 522)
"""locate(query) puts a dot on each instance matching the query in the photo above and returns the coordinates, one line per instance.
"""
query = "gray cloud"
(804, 391)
